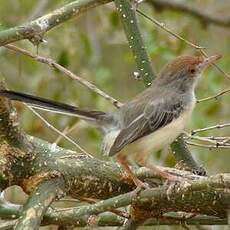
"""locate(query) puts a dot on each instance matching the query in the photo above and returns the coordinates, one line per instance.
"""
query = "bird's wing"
(155, 115)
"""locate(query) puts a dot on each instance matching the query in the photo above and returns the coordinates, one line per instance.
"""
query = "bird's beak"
(210, 60)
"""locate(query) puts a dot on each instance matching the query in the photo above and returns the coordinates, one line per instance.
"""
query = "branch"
(184, 157)
(163, 26)
(216, 146)
(13, 144)
(109, 219)
(219, 126)
(31, 163)
(38, 203)
(52, 63)
(212, 191)
(79, 216)
(212, 139)
(215, 96)
(92, 178)
(35, 30)
(128, 18)
(205, 18)
(201, 49)
(59, 132)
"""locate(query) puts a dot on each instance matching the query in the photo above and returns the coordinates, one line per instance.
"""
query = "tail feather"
(52, 106)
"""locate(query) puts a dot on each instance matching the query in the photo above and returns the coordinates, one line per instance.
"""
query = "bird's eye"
(192, 70)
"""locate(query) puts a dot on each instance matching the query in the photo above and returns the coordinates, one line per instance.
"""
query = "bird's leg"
(123, 162)
(171, 181)
(141, 161)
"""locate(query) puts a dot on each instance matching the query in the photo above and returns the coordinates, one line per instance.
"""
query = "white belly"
(158, 139)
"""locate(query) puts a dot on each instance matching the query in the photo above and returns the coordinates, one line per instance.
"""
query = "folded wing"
(156, 114)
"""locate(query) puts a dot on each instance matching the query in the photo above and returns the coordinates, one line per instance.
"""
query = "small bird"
(149, 121)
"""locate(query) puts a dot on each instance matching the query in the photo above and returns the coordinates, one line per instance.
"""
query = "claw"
(136, 181)
(140, 184)
(139, 187)
(171, 187)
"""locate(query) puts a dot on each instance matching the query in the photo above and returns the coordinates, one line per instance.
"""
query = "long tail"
(53, 106)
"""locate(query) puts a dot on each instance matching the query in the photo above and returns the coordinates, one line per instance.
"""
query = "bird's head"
(183, 72)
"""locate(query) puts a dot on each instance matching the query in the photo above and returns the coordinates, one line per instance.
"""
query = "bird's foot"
(163, 174)
(175, 184)
(140, 184)
(172, 186)
(172, 182)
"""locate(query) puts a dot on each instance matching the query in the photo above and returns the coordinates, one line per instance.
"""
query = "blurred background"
(95, 48)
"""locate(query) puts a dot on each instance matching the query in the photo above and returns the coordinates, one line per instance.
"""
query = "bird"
(149, 121)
